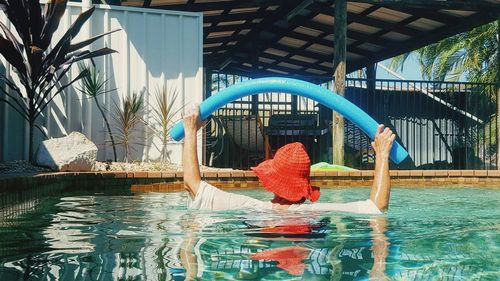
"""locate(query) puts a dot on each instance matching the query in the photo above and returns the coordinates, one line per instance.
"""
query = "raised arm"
(381, 188)
(190, 164)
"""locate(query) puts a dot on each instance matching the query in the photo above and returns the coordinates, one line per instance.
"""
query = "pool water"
(429, 234)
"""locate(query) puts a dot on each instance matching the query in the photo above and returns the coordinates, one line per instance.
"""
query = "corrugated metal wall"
(154, 47)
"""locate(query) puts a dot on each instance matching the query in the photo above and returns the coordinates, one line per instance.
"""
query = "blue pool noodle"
(297, 87)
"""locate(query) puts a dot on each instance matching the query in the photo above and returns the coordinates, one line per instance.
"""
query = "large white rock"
(71, 153)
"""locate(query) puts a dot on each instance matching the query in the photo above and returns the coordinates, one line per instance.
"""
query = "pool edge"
(172, 180)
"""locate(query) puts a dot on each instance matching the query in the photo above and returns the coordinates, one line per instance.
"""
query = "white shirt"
(211, 198)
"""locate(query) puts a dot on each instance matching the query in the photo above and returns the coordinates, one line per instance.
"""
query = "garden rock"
(71, 153)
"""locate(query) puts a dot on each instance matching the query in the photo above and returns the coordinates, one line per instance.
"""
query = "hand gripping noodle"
(296, 87)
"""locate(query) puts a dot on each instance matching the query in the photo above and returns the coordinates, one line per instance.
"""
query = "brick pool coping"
(224, 178)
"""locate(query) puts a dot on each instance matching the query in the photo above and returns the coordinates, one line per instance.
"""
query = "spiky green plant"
(93, 85)
(472, 53)
(126, 118)
(163, 114)
(40, 70)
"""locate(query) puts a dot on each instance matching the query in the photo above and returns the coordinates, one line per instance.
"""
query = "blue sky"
(411, 70)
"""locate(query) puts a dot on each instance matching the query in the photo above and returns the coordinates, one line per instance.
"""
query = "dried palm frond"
(164, 117)
(126, 118)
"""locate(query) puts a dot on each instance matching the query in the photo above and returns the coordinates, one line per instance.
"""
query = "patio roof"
(295, 37)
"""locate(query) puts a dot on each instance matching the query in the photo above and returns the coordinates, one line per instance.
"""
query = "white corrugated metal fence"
(154, 47)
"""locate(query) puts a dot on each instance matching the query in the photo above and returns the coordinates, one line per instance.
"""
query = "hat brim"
(285, 186)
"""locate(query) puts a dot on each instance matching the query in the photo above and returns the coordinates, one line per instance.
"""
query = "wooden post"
(498, 93)
(339, 67)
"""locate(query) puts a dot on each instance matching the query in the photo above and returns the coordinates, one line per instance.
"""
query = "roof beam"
(250, 72)
(278, 27)
(237, 29)
(254, 34)
(363, 19)
(229, 27)
(303, 65)
(298, 9)
(304, 21)
(310, 39)
(289, 60)
(434, 15)
(470, 5)
(380, 33)
(220, 5)
(235, 17)
(240, 58)
(435, 36)
(319, 39)
(279, 33)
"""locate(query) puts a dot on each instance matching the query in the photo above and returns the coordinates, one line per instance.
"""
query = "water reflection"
(153, 237)
(288, 247)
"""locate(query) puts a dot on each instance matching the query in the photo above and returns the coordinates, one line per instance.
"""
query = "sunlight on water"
(429, 234)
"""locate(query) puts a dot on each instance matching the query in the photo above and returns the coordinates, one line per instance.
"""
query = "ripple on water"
(436, 234)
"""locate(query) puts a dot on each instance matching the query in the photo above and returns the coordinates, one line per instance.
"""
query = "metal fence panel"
(443, 125)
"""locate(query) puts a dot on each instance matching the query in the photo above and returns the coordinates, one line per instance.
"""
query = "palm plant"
(471, 53)
(163, 117)
(126, 118)
(93, 85)
(220, 81)
(40, 70)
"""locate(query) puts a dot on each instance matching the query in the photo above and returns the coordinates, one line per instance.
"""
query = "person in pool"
(286, 176)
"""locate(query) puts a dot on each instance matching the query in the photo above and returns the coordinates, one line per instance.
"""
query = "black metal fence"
(443, 125)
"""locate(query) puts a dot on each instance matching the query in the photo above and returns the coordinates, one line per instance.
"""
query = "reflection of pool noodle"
(297, 87)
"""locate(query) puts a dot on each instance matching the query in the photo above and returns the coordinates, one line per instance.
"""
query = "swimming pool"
(430, 233)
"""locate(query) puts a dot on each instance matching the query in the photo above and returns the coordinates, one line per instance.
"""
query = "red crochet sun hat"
(287, 175)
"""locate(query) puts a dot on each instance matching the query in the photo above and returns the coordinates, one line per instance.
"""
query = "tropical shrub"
(40, 70)
(471, 54)
(93, 85)
(126, 118)
(163, 115)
